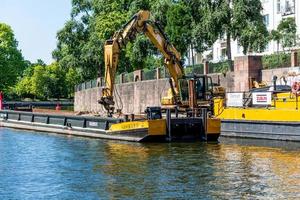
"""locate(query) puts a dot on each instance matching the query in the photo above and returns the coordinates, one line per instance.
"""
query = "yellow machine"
(139, 23)
(189, 92)
(270, 112)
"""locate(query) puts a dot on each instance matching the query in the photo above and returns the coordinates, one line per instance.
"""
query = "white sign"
(93, 124)
(235, 99)
(262, 98)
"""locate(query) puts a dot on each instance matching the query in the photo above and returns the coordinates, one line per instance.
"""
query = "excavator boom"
(139, 23)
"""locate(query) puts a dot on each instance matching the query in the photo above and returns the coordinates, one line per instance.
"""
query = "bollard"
(1, 100)
(204, 121)
(169, 126)
(131, 117)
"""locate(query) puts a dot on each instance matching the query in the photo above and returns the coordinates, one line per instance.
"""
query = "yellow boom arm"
(139, 23)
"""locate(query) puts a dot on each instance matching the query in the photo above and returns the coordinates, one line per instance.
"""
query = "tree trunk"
(193, 61)
(278, 52)
(228, 51)
(100, 73)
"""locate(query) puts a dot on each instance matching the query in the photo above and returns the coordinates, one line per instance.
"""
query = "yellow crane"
(139, 23)
(188, 92)
(193, 92)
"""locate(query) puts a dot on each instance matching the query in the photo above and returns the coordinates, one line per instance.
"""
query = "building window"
(278, 6)
(289, 7)
(266, 19)
(223, 54)
(238, 49)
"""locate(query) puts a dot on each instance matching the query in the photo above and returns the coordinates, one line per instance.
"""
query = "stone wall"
(267, 75)
(246, 69)
(131, 97)
(134, 97)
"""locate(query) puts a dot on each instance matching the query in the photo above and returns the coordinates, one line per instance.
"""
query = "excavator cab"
(195, 91)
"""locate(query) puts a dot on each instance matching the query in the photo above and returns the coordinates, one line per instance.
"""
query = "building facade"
(273, 12)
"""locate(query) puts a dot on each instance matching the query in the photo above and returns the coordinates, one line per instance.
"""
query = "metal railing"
(58, 120)
(150, 75)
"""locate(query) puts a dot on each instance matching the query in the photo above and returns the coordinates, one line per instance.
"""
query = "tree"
(12, 63)
(179, 26)
(46, 81)
(72, 78)
(276, 36)
(238, 20)
(81, 41)
(23, 88)
(287, 30)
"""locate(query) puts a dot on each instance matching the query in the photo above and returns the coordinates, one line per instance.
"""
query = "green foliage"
(191, 70)
(179, 27)
(275, 35)
(219, 67)
(48, 81)
(248, 26)
(288, 32)
(192, 23)
(81, 41)
(12, 63)
(72, 78)
(140, 54)
(276, 60)
(23, 87)
(242, 22)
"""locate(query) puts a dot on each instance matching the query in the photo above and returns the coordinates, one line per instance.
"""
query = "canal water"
(43, 166)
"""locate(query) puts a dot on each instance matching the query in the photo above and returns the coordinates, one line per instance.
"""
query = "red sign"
(261, 98)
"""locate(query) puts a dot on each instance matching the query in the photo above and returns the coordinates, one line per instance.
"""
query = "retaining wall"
(268, 74)
(134, 97)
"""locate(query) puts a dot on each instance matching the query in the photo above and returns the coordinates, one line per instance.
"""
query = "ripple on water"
(41, 166)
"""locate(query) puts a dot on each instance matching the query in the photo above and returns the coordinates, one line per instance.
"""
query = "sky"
(35, 24)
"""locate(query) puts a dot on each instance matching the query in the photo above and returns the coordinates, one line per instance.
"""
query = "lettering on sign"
(133, 126)
(262, 98)
(235, 99)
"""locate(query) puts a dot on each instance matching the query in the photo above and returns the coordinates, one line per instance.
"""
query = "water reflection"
(39, 166)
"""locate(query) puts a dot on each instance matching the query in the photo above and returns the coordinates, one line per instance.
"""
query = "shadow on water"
(43, 166)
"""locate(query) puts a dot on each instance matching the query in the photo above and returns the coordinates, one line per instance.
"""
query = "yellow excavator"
(185, 92)
(194, 93)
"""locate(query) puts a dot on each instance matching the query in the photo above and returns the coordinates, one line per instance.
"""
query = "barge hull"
(179, 129)
(273, 130)
(73, 132)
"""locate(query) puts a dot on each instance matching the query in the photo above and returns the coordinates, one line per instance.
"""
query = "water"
(41, 166)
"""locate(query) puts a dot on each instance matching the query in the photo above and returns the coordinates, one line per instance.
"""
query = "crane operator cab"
(196, 91)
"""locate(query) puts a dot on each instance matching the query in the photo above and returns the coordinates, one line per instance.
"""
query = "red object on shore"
(58, 107)
(1, 100)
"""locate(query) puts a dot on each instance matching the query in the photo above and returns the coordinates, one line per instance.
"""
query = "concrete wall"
(132, 97)
(246, 69)
(268, 74)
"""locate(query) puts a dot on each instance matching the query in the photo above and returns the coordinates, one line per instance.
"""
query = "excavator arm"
(139, 23)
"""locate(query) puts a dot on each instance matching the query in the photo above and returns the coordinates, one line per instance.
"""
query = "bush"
(220, 67)
(277, 60)
(190, 70)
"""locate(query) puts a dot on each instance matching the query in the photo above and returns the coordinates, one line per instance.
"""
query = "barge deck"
(173, 129)
(260, 115)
